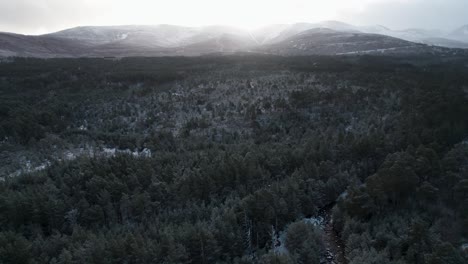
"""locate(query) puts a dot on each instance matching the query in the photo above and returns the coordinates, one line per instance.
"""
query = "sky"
(44, 16)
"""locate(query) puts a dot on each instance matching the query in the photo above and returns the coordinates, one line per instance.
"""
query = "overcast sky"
(42, 16)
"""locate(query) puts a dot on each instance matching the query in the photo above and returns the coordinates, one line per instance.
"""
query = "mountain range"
(324, 38)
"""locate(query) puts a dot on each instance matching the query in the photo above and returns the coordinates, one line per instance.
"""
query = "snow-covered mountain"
(277, 33)
(324, 41)
(444, 42)
(408, 34)
(160, 40)
(170, 40)
(168, 36)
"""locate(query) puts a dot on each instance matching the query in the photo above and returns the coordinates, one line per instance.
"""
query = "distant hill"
(162, 40)
(328, 37)
(330, 42)
(444, 42)
(39, 46)
(457, 39)
(277, 33)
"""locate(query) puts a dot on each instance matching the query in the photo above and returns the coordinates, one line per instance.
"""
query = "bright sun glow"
(40, 16)
(240, 13)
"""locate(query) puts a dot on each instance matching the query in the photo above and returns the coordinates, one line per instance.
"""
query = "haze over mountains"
(325, 38)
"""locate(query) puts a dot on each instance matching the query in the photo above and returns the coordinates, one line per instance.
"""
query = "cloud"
(32, 15)
(39, 16)
(437, 14)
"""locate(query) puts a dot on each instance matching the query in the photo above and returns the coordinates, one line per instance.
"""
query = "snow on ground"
(280, 247)
(315, 221)
(111, 152)
(464, 247)
(123, 36)
(70, 155)
(29, 168)
(343, 195)
(370, 51)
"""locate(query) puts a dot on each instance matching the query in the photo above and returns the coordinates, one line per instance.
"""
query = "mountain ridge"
(171, 40)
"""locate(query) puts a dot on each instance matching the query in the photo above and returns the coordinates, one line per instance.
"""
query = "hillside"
(39, 46)
(329, 37)
(325, 41)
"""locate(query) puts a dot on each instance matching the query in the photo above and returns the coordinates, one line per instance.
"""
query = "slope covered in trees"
(212, 159)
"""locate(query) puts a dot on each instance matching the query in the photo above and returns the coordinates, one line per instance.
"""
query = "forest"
(234, 159)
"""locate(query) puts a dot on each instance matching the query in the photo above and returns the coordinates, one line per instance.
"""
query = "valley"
(243, 158)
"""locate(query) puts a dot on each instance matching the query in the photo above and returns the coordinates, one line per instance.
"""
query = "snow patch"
(29, 168)
(315, 221)
(464, 247)
(280, 248)
(70, 155)
(123, 36)
(111, 152)
(343, 195)
(371, 51)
